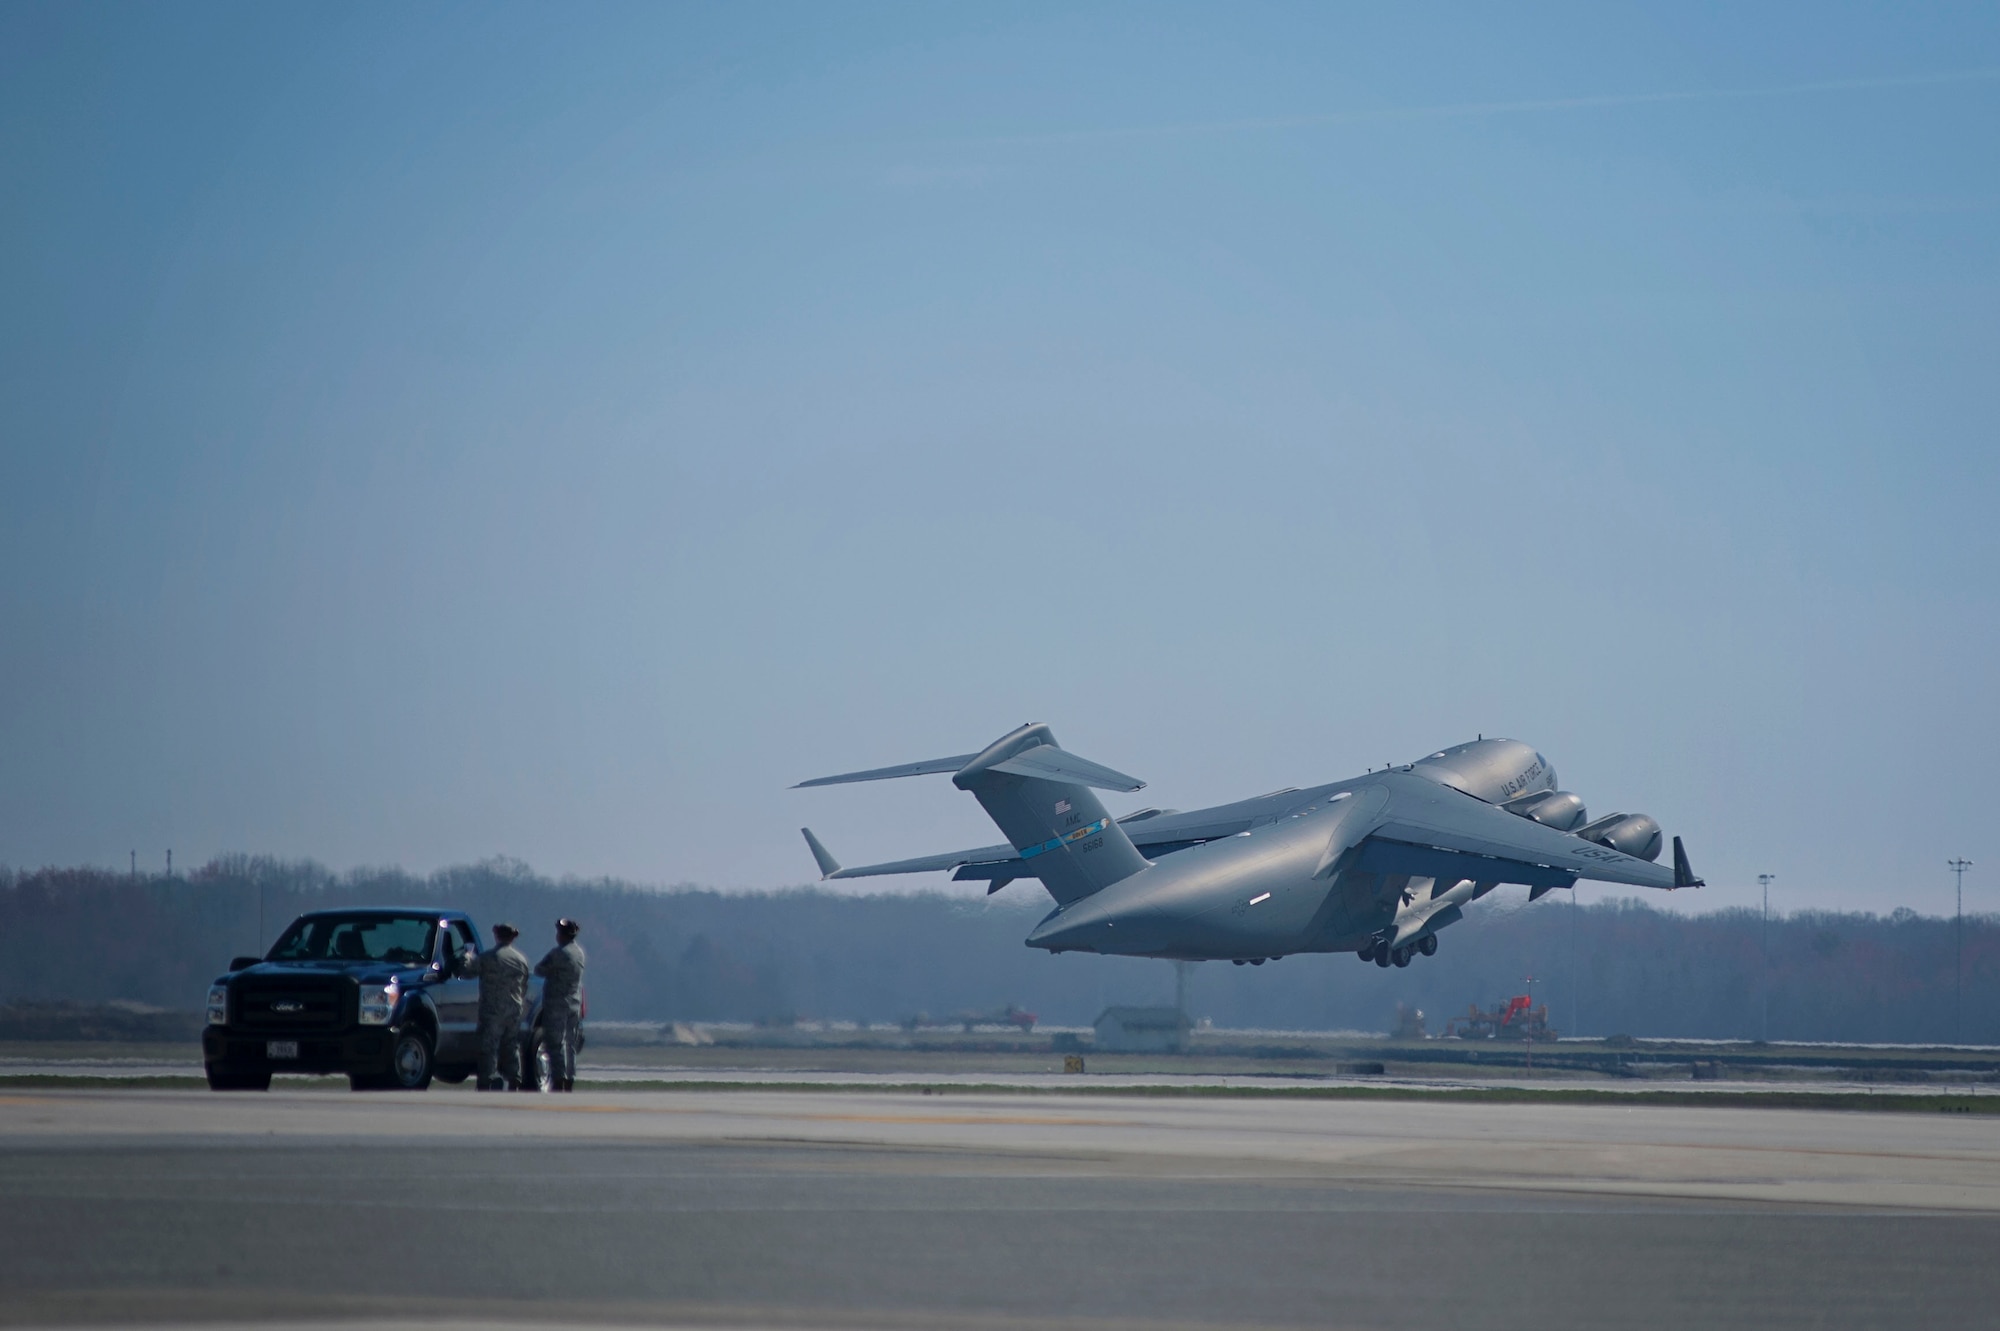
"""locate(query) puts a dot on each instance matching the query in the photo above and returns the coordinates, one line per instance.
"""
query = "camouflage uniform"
(503, 996)
(562, 1010)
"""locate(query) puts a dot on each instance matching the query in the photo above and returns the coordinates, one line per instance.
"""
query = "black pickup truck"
(373, 993)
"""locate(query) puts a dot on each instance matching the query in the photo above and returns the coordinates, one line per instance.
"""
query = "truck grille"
(309, 1004)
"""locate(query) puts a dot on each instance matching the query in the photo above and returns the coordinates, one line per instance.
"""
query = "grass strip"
(85, 1082)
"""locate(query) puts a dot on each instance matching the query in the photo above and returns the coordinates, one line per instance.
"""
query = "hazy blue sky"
(431, 432)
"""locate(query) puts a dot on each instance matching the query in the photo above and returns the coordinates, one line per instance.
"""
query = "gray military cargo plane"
(1375, 865)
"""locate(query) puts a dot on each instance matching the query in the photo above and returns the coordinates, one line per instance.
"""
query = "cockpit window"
(397, 938)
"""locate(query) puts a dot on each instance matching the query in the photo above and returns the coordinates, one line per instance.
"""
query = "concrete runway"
(868, 1209)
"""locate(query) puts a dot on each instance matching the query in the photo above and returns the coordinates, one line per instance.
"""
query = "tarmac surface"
(861, 1208)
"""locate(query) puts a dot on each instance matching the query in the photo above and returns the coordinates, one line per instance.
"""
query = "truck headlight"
(218, 1005)
(378, 1004)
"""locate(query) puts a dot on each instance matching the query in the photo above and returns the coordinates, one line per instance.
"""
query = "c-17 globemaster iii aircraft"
(1375, 865)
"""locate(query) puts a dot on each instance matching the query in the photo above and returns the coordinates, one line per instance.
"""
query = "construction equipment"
(1511, 1019)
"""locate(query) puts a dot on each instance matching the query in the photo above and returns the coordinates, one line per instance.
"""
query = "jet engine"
(1560, 809)
(1634, 833)
(1494, 770)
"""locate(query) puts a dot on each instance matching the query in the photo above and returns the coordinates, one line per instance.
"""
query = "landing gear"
(1379, 951)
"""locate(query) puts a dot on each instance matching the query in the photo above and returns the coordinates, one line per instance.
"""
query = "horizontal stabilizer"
(1049, 763)
(929, 768)
(931, 863)
(828, 866)
(1003, 871)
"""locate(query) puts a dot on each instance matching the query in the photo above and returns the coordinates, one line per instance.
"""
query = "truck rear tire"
(535, 1062)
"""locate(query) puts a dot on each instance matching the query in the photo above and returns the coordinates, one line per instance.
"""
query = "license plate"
(281, 1049)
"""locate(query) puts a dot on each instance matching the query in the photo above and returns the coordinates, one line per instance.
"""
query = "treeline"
(693, 955)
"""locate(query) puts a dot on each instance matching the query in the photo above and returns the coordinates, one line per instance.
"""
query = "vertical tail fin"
(1040, 798)
(1683, 871)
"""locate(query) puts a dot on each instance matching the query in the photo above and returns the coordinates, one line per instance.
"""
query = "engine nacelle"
(1494, 770)
(1560, 809)
(1634, 833)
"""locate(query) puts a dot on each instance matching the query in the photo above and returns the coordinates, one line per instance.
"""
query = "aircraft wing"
(1485, 841)
(1154, 832)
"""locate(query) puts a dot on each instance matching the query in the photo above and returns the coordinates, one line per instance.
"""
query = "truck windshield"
(406, 938)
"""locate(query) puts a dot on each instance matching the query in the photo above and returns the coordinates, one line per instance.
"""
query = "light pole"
(1958, 868)
(1764, 880)
(1530, 1026)
(1575, 1003)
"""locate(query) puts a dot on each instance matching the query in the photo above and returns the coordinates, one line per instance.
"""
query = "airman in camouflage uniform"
(562, 1004)
(503, 996)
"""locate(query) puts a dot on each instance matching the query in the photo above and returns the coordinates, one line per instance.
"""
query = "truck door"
(457, 999)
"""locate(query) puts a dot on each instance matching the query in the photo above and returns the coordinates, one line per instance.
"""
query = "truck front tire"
(410, 1064)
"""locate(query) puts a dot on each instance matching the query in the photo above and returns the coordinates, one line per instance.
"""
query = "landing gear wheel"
(1401, 956)
(238, 1081)
(1429, 946)
(1381, 956)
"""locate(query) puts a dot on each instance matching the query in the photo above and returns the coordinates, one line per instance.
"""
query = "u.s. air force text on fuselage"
(1375, 865)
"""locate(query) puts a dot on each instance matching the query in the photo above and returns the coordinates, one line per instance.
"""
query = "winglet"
(828, 866)
(1683, 873)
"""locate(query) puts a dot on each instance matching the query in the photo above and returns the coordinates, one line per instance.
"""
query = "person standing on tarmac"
(503, 996)
(562, 1004)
